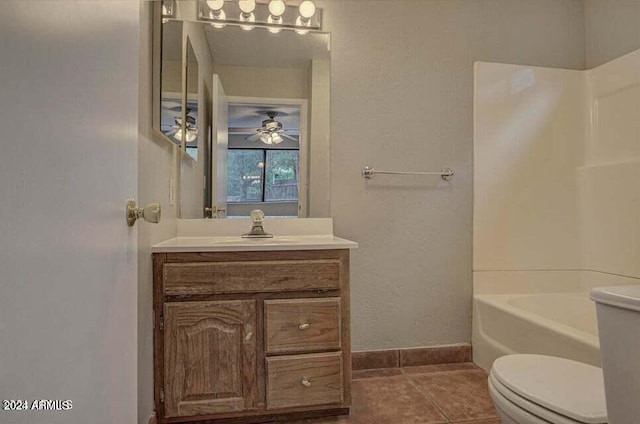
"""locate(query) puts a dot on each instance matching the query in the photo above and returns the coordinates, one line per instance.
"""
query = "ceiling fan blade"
(245, 130)
(254, 137)
(287, 136)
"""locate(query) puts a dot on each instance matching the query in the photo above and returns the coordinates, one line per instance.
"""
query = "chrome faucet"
(257, 230)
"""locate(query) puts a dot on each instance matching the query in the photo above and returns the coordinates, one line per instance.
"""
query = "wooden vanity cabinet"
(251, 336)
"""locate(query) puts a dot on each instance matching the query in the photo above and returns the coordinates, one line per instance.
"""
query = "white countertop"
(239, 244)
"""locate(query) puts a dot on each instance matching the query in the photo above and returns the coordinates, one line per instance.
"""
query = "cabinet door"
(210, 353)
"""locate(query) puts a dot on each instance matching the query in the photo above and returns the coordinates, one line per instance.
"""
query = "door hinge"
(161, 324)
(162, 395)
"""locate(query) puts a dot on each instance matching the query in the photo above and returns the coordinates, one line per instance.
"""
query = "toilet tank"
(618, 310)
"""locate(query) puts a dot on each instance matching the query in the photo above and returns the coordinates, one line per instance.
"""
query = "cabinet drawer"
(304, 380)
(302, 325)
(250, 276)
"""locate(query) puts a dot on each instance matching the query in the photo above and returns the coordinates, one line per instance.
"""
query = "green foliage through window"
(262, 175)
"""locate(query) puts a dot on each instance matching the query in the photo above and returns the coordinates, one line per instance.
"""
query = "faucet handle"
(257, 215)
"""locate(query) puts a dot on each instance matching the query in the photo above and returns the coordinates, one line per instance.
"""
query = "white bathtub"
(558, 324)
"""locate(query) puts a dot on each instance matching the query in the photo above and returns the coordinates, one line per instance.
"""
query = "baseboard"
(412, 357)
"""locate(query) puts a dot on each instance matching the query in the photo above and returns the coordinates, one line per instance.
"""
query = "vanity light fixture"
(246, 13)
(306, 9)
(273, 15)
(276, 10)
(217, 13)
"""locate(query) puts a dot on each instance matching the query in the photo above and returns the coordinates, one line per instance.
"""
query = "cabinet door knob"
(248, 336)
(304, 326)
(305, 382)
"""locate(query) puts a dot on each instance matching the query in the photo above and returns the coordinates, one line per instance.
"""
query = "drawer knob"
(304, 326)
(305, 382)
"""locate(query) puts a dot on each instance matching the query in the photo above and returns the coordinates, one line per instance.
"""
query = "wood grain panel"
(251, 276)
(304, 380)
(210, 353)
(302, 325)
(271, 255)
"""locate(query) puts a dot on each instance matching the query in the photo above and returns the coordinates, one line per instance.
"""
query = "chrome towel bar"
(368, 172)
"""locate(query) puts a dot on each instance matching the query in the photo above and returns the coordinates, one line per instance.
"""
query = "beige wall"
(402, 98)
(250, 81)
(612, 29)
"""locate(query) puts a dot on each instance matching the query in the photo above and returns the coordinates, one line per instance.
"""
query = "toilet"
(539, 389)
(618, 310)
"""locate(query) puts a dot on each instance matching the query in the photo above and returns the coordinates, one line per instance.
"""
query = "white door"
(68, 162)
(219, 145)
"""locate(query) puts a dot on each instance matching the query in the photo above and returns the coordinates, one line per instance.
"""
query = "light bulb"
(247, 6)
(276, 139)
(215, 5)
(277, 7)
(307, 9)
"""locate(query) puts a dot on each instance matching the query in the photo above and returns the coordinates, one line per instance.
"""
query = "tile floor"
(431, 394)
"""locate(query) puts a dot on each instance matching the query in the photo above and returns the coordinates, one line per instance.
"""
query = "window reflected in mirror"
(263, 167)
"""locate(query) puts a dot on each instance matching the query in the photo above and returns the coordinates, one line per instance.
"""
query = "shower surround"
(556, 203)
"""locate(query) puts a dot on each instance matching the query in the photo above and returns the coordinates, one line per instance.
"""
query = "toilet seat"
(517, 405)
(557, 390)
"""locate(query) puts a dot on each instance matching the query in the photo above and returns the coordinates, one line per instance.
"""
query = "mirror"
(256, 114)
(192, 119)
(171, 81)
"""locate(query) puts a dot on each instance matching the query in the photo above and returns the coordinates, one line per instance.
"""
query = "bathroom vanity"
(251, 329)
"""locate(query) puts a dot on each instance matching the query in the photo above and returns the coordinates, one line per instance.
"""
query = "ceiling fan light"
(276, 139)
(277, 7)
(266, 139)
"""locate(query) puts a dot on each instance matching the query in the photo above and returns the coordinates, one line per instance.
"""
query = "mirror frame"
(156, 85)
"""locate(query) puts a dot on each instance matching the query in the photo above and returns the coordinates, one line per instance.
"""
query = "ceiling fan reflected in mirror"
(271, 131)
(190, 128)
